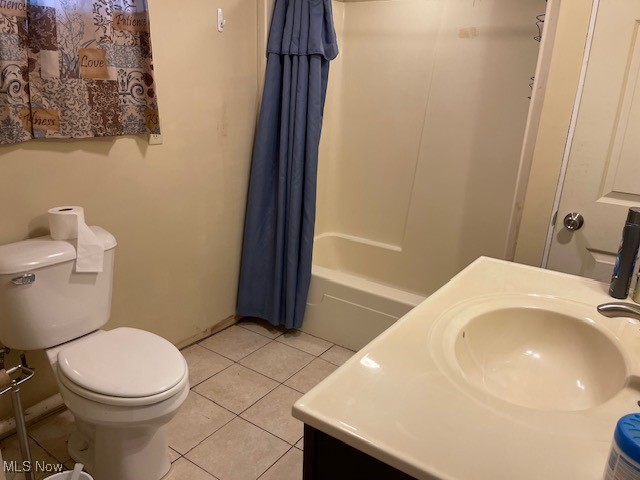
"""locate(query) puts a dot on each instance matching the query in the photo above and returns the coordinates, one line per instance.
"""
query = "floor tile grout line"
(201, 467)
(294, 374)
(181, 455)
(217, 404)
(217, 352)
(311, 335)
(317, 358)
(275, 380)
(212, 351)
(309, 353)
(268, 468)
(177, 452)
(270, 433)
(239, 324)
(275, 339)
(338, 364)
(279, 383)
(257, 350)
(266, 336)
(291, 388)
(245, 356)
(249, 422)
(294, 389)
(261, 347)
(261, 374)
(210, 377)
(239, 415)
(46, 451)
(331, 362)
(210, 435)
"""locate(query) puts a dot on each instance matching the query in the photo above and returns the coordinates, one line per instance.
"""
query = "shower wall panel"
(424, 122)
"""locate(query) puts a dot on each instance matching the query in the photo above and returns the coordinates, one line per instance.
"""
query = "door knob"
(573, 221)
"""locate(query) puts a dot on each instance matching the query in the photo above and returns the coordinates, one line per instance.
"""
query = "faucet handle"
(620, 309)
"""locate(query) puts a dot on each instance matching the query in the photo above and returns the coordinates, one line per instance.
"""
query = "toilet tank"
(60, 305)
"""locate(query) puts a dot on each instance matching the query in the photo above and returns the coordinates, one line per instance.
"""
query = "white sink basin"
(536, 352)
(540, 359)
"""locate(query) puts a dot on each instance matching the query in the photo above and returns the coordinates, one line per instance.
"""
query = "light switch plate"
(155, 139)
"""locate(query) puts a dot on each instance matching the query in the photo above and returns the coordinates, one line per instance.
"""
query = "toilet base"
(137, 453)
(121, 438)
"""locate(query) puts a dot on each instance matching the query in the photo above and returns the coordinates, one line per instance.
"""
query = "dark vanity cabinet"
(327, 458)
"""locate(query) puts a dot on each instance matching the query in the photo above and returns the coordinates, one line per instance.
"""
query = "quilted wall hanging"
(75, 69)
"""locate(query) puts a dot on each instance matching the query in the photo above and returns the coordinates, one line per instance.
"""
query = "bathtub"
(349, 309)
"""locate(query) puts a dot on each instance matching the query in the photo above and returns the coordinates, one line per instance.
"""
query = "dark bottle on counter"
(627, 253)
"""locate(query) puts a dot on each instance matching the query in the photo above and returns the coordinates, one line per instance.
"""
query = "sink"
(539, 353)
(540, 359)
(507, 371)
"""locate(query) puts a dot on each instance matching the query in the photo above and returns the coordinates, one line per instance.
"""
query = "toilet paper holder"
(25, 374)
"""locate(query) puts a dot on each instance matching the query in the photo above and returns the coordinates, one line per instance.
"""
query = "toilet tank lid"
(40, 252)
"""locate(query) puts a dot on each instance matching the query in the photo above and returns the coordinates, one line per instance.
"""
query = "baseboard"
(40, 410)
(226, 323)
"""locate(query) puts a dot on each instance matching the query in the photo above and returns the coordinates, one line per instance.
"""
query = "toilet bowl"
(122, 386)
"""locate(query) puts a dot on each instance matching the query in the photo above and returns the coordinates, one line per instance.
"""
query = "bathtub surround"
(279, 226)
(425, 115)
(439, 90)
(350, 310)
(88, 71)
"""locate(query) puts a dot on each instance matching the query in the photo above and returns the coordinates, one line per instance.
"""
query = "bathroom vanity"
(506, 372)
(327, 458)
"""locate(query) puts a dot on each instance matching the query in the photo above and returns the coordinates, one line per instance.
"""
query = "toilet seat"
(124, 366)
(124, 401)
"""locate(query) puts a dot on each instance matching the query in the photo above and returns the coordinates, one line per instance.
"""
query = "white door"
(603, 172)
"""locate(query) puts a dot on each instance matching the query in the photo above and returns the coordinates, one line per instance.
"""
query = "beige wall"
(177, 209)
(564, 76)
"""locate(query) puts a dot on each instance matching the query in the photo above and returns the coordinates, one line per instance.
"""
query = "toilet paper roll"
(67, 223)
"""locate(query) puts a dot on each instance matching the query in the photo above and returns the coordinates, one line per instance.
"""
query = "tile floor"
(236, 423)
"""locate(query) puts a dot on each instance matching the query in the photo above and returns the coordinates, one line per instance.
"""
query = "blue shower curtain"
(278, 238)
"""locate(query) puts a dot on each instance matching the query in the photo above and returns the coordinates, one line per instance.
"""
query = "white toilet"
(121, 385)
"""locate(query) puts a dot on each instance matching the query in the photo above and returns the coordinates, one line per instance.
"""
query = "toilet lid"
(124, 362)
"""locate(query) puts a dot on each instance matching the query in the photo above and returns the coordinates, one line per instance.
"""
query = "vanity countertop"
(395, 401)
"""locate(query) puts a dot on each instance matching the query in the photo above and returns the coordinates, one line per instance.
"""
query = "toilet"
(121, 385)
